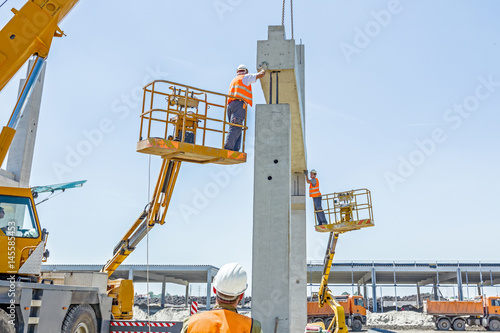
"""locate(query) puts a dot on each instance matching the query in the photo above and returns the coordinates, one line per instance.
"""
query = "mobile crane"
(345, 211)
(88, 302)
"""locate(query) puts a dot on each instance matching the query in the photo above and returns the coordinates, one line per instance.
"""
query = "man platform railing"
(185, 123)
(346, 211)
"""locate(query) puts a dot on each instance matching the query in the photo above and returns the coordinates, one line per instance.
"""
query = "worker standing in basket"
(241, 90)
(230, 284)
(316, 195)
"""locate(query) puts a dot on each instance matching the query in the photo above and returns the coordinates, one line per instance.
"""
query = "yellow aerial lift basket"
(184, 123)
(346, 211)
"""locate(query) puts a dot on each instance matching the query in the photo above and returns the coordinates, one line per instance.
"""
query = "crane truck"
(346, 211)
(93, 302)
(482, 311)
(354, 311)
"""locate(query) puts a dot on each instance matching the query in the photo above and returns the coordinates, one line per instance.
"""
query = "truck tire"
(459, 324)
(494, 325)
(328, 321)
(443, 324)
(357, 325)
(4, 323)
(80, 319)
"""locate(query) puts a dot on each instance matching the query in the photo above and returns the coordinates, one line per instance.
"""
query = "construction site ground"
(387, 322)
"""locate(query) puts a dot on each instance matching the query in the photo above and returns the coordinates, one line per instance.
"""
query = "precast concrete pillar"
(271, 278)
(187, 295)
(163, 291)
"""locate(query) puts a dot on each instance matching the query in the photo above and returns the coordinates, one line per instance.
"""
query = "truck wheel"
(328, 321)
(459, 324)
(357, 325)
(80, 319)
(4, 323)
(443, 324)
(494, 325)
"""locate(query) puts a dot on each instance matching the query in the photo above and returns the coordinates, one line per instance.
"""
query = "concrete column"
(163, 290)
(209, 287)
(374, 289)
(419, 299)
(298, 263)
(187, 294)
(359, 290)
(21, 151)
(131, 274)
(435, 292)
(459, 285)
(271, 279)
(365, 292)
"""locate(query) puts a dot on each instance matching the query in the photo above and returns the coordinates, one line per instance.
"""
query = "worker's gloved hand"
(305, 172)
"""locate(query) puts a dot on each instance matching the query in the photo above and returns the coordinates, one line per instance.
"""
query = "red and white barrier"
(194, 307)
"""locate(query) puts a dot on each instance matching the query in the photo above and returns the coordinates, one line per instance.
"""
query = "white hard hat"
(242, 68)
(231, 280)
(314, 171)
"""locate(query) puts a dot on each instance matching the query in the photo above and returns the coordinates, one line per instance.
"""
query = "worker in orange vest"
(241, 90)
(230, 284)
(316, 195)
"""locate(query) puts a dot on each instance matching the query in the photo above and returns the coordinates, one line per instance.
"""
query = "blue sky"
(401, 98)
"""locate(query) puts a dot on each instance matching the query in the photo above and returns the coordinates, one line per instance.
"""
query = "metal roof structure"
(409, 273)
(178, 274)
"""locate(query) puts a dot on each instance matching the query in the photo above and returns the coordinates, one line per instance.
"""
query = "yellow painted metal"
(153, 214)
(325, 295)
(6, 137)
(346, 211)
(16, 250)
(30, 32)
(122, 292)
(186, 123)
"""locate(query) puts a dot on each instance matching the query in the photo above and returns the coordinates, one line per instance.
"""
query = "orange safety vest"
(240, 91)
(219, 321)
(314, 190)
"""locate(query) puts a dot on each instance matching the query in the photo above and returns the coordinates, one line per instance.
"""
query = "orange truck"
(354, 310)
(482, 311)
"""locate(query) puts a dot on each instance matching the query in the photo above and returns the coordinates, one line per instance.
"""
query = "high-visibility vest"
(240, 91)
(314, 190)
(219, 321)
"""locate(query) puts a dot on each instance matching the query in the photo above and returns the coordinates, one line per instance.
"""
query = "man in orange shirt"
(230, 284)
(316, 195)
(241, 90)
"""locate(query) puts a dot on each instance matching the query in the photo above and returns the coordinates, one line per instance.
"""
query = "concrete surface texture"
(279, 244)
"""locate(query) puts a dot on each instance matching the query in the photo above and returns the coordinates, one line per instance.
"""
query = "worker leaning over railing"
(230, 284)
(241, 90)
(316, 195)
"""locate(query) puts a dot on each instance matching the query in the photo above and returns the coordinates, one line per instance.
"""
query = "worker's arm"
(248, 79)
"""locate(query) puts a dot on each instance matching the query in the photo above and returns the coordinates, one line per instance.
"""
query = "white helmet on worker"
(314, 171)
(230, 282)
(242, 68)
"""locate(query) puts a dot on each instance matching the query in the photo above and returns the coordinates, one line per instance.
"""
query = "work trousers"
(236, 114)
(317, 207)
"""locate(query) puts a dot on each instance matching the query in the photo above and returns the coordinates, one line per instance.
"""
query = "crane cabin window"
(17, 218)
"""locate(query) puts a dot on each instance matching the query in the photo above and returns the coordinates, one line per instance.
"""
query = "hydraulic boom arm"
(324, 294)
(154, 213)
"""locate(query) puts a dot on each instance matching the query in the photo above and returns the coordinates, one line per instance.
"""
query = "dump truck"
(482, 311)
(354, 312)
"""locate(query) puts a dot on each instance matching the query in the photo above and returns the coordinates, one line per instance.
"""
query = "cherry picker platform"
(184, 123)
(180, 123)
(346, 211)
